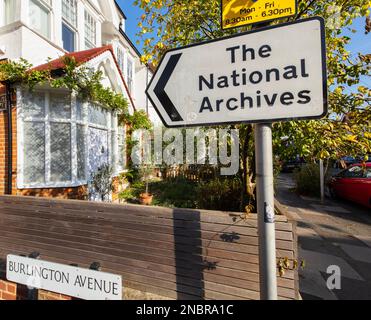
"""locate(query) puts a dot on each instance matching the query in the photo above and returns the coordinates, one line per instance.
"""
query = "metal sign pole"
(266, 221)
(322, 180)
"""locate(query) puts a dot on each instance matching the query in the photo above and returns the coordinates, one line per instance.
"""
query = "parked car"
(345, 162)
(291, 165)
(353, 184)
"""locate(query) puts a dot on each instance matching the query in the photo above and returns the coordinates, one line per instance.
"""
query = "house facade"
(58, 142)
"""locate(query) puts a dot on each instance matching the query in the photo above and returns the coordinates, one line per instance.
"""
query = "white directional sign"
(272, 74)
(72, 281)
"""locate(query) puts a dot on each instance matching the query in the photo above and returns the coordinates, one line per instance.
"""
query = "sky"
(133, 14)
(360, 42)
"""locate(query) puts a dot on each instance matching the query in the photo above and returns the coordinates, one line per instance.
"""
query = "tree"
(345, 130)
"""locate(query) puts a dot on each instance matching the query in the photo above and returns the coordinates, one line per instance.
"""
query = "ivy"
(85, 81)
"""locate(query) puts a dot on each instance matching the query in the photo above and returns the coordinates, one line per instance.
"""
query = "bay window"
(39, 16)
(90, 31)
(69, 24)
(63, 141)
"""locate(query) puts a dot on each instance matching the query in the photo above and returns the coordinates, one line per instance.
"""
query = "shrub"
(102, 182)
(178, 193)
(220, 194)
(307, 180)
(171, 193)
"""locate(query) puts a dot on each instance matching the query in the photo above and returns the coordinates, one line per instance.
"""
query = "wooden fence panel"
(177, 253)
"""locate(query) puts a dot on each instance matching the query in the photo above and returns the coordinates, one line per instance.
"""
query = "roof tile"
(82, 57)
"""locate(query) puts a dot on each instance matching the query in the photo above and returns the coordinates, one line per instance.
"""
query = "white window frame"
(47, 5)
(75, 182)
(70, 25)
(3, 21)
(132, 61)
(120, 51)
(90, 16)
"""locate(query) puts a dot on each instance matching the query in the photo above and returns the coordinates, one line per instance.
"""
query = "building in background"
(58, 141)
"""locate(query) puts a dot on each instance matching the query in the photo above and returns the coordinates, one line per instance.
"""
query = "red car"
(353, 184)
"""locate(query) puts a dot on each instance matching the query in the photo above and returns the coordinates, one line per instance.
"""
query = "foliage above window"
(85, 81)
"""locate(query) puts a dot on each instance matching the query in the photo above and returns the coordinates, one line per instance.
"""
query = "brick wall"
(47, 295)
(79, 193)
(8, 290)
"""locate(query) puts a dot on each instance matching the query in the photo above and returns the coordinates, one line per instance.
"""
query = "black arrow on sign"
(160, 88)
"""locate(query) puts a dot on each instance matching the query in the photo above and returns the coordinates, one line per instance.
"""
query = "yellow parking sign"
(237, 13)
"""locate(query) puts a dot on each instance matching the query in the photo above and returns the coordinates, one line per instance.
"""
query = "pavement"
(333, 233)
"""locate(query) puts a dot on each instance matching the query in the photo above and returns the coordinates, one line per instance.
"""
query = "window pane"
(130, 75)
(90, 31)
(121, 148)
(34, 152)
(60, 152)
(80, 153)
(60, 106)
(68, 37)
(80, 110)
(120, 59)
(112, 148)
(69, 11)
(34, 104)
(39, 18)
(98, 116)
(354, 172)
(9, 8)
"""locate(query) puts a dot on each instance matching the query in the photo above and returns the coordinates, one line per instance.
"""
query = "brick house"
(57, 141)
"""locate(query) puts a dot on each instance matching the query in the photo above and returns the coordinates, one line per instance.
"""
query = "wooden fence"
(175, 253)
(195, 173)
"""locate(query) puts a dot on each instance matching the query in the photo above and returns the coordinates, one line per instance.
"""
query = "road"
(334, 233)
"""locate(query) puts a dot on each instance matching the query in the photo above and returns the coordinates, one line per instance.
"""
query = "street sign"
(238, 13)
(272, 74)
(72, 281)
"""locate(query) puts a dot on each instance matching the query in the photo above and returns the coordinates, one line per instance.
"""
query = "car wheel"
(332, 192)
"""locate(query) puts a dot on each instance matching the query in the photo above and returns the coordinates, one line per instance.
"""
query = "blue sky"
(360, 42)
(133, 14)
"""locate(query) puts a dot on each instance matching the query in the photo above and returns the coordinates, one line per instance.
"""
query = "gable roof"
(82, 57)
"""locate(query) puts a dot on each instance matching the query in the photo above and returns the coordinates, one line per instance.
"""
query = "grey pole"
(322, 180)
(266, 220)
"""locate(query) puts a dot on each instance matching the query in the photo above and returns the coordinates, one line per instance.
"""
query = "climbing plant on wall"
(85, 81)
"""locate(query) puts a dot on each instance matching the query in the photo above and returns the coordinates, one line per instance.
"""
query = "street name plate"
(68, 280)
(268, 75)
